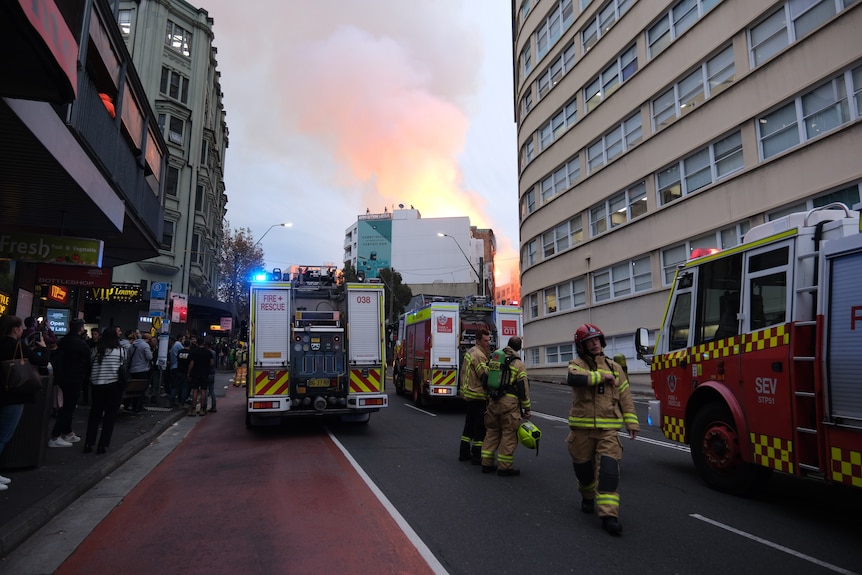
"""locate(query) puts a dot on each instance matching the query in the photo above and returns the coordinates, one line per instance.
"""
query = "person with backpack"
(602, 403)
(71, 370)
(508, 398)
(474, 395)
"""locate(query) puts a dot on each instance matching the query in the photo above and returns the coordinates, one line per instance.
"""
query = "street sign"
(158, 299)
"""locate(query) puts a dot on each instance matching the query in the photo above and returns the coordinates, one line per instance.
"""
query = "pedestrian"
(140, 357)
(211, 380)
(476, 398)
(602, 403)
(11, 405)
(200, 362)
(181, 390)
(70, 373)
(106, 392)
(503, 415)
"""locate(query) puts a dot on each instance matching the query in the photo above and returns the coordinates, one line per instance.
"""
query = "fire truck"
(315, 348)
(756, 364)
(434, 339)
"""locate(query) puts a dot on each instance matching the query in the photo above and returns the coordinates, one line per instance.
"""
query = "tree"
(240, 257)
(398, 295)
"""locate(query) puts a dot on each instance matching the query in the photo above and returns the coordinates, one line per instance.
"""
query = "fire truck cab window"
(718, 299)
(768, 288)
(680, 321)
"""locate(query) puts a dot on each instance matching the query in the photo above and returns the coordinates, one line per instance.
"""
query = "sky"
(338, 106)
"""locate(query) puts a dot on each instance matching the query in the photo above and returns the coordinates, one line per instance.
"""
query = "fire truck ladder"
(806, 377)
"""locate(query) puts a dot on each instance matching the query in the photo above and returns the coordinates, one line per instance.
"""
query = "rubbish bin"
(28, 444)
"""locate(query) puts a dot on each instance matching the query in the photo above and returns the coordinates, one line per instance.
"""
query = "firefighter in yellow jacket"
(602, 403)
(505, 405)
(473, 392)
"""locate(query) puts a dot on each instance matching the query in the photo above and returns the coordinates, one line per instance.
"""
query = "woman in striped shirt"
(106, 392)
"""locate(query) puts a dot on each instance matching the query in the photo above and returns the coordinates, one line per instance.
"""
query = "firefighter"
(602, 403)
(473, 392)
(503, 415)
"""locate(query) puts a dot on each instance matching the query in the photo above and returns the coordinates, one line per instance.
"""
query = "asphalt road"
(391, 497)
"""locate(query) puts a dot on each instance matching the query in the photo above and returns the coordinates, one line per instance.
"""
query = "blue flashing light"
(261, 277)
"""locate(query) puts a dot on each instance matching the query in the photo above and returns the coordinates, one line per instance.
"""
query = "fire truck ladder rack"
(807, 403)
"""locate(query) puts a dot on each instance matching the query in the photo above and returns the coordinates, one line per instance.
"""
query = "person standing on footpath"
(75, 370)
(140, 356)
(12, 406)
(106, 392)
(476, 398)
(602, 403)
(211, 379)
(503, 416)
(200, 362)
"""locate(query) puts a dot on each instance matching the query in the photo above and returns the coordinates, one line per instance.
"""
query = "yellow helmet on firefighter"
(529, 435)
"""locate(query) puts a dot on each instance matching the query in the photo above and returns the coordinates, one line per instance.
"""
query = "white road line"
(423, 550)
(774, 545)
(411, 406)
(676, 446)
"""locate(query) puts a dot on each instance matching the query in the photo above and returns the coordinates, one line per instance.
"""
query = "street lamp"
(478, 276)
(284, 225)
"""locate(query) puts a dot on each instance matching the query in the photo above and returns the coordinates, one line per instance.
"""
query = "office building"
(649, 129)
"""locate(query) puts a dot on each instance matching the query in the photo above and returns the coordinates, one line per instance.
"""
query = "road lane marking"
(423, 550)
(774, 545)
(659, 443)
(411, 406)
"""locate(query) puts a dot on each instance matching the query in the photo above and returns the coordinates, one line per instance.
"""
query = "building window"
(526, 62)
(814, 113)
(707, 80)
(527, 153)
(534, 356)
(619, 209)
(700, 169)
(534, 306)
(532, 256)
(562, 237)
(168, 236)
(199, 198)
(549, 31)
(565, 296)
(724, 238)
(604, 20)
(848, 196)
(525, 9)
(551, 76)
(558, 124)
(622, 279)
(557, 354)
(677, 20)
(527, 102)
(561, 179)
(172, 181)
(614, 143)
(174, 85)
(175, 132)
(124, 20)
(774, 34)
(611, 77)
(179, 39)
(528, 203)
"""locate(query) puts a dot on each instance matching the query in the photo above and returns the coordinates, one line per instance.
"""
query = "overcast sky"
(338, 106)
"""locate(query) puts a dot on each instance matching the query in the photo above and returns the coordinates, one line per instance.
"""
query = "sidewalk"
(38, 494)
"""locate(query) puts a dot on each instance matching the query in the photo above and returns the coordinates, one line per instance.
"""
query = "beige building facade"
(648, 129)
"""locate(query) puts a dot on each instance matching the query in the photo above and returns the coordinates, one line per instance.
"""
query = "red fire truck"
(756, 364)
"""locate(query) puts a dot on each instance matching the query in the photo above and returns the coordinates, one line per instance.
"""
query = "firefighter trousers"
(596, 454)
(474, 430)
(502, 419)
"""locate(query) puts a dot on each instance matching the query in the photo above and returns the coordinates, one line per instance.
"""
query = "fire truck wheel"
(716, 452)
(418, 398)
(248, 424)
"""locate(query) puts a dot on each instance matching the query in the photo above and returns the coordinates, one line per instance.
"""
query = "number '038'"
(363, 299)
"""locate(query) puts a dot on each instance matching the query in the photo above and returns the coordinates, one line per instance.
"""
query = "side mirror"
(642, 346)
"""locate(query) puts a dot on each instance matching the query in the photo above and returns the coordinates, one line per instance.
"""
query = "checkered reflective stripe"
(768, 338)
(674, 428)
(846, 466)
(668, 360)
(717, 349)
(773, 452)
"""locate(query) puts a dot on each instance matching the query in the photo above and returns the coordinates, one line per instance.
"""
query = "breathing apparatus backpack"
(499, 374)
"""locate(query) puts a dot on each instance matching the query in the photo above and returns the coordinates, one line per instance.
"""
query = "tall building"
(649, 129)
(440, 256)
(171, 43)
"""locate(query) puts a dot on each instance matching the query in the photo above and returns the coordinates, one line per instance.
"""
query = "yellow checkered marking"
(674, 428)
(668, 360)
(772, 452)
(767, 339)
(847, 466)
(717, 349)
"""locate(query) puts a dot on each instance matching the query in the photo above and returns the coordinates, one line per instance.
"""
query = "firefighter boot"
(611, 525)
(464, 453)
(588, 506)
(476, 455)
(509, 472)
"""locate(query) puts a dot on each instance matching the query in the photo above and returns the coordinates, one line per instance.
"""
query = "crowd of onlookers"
(86, 368)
